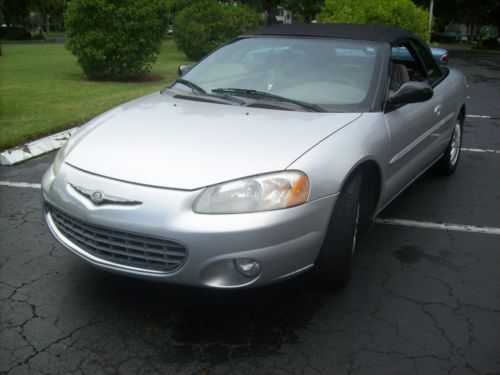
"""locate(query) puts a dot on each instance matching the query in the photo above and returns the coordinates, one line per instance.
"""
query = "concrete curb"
(36, 148)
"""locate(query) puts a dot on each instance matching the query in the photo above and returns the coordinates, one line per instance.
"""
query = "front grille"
(134, 250)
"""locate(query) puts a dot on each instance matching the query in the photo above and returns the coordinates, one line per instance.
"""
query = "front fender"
(331, 161)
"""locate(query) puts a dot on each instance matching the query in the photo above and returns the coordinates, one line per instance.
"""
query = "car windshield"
(336, 75)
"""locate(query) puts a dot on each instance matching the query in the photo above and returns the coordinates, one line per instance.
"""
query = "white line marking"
(20, 184)
(441, 226)
(480, 150)
(478, 116)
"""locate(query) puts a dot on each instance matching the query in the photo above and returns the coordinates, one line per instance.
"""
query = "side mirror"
(409, 92)
(183, 69)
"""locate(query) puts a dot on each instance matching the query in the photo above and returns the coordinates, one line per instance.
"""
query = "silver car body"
(150, 159)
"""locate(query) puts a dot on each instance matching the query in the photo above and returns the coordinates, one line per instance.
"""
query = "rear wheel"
(449, 161)
(333, 266)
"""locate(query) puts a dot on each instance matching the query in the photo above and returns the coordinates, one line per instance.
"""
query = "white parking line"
(440, 226)
(20, 184)
(478, 116)
(481, 150)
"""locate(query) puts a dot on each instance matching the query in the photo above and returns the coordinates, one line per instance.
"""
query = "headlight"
(260, 193)
(61, 155)
(59, 160)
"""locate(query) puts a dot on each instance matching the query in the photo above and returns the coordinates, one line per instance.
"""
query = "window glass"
(431, 68)
(405, 55)
(335, 74)
(401, 53)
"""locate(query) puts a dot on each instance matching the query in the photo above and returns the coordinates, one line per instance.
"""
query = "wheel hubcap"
(456, 141)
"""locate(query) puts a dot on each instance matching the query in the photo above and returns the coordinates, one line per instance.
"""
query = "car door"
(414, 128)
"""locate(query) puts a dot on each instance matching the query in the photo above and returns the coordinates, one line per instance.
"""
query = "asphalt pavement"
(423, 300)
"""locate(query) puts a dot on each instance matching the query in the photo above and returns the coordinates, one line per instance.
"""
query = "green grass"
(43, 90)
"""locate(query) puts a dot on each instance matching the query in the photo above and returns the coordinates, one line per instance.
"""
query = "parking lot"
(425, 297)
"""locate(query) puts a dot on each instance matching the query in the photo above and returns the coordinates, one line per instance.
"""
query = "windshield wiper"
(267, 95)
(199, 90)
(193, 86)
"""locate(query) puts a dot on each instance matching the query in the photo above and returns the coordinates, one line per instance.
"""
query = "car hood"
(159, 140)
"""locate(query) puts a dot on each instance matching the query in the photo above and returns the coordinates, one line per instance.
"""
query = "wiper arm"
(267, 95)
(193, 86)
(199, 90)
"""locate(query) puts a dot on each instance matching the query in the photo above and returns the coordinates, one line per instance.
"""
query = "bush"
(203, 26)
(445, 37)
(490, 43)
(115, 39)
(14, 33)
(397, 13)
(440, 38)
(37, 37)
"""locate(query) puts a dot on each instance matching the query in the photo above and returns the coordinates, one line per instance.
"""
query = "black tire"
(448, 163)
(333, 266)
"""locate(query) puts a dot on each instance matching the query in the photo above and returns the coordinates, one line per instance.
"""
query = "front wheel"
(333, 266)
(448, 162)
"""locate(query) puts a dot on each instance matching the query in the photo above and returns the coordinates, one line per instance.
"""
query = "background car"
(261, 162)
(440, 55)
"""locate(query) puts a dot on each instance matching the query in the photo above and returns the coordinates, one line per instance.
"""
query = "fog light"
(247, 267)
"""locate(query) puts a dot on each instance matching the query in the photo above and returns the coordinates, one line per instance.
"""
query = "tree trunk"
(270, 7)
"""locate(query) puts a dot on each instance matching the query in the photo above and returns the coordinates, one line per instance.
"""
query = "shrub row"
(120, 39)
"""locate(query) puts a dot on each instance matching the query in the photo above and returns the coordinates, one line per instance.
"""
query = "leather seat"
(399, 76)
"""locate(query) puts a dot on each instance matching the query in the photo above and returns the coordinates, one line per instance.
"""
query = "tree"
(473, 13)
(307, 9)
(15, 12)
(2, 18)
(49, 10)
(115, 39)
(486, 12)
(178, 5)
(206, 24)
(31, 13)
(398, 13)
(269, 7)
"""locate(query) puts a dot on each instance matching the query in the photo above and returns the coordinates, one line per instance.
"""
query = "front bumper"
(284, 242)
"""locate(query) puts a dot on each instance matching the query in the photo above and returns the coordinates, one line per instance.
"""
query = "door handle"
(437, 109)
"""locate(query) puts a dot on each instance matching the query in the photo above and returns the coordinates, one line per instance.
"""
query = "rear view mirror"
(409, 92)
(183, 69)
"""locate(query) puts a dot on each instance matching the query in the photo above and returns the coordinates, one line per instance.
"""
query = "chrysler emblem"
(97, 196)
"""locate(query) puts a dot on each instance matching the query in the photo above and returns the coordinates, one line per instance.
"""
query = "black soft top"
(337, 30)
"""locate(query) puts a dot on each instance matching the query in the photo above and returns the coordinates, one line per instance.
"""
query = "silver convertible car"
(262, 161)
